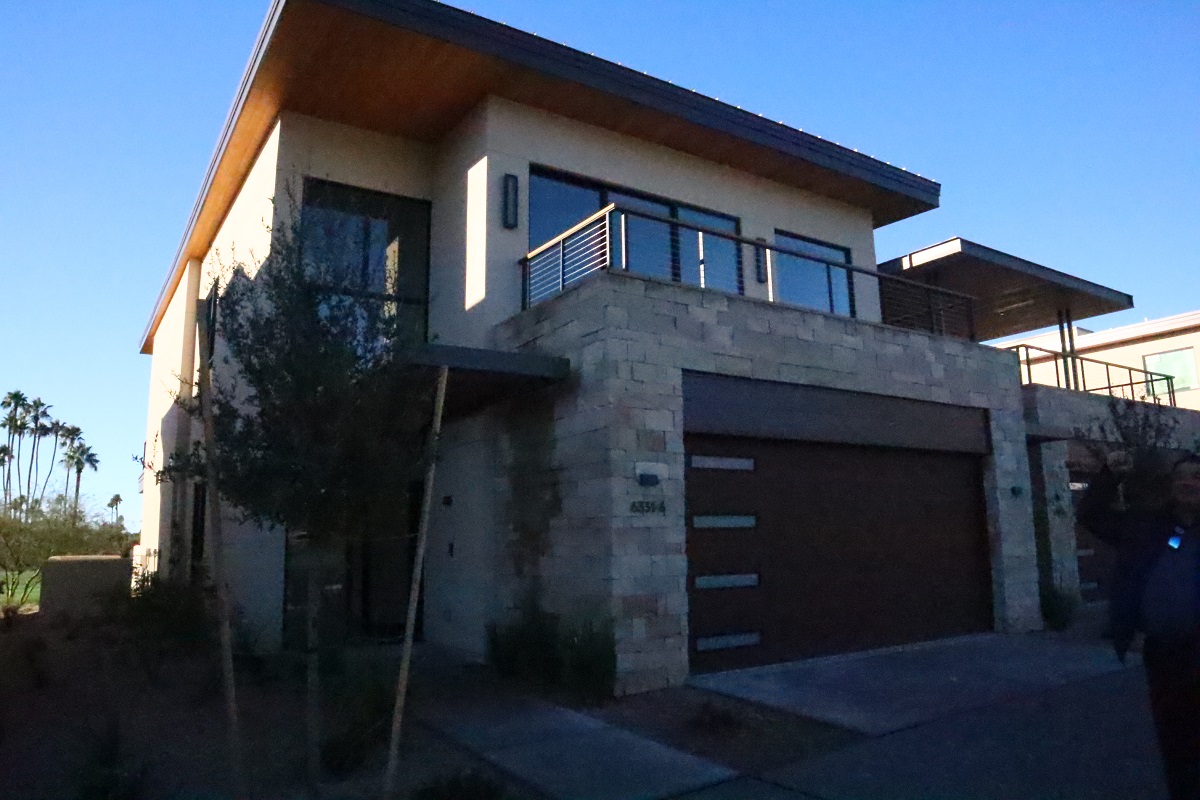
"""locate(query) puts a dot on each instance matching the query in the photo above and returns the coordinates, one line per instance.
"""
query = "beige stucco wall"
(167, 426)
(502, 137)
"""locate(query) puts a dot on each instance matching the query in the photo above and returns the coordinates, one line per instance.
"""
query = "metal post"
(1062, 344)
(624, 239)
(829, 287)
(770, 256)
(1108, 377)
(851, 295)
(562, 264)
(1171, 389)
(1076, 367)
(608, 242)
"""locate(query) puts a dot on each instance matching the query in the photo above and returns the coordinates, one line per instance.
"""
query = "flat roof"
(371, 64)
(1013, 295)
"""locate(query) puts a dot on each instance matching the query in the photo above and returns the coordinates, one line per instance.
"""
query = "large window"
(1179, 364)
(368, 242)
(813, 282)
(656, 247)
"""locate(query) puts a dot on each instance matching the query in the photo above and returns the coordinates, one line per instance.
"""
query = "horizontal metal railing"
(1073, 371)
(603, 241)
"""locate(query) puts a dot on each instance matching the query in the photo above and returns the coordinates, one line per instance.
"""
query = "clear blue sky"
(1067, 133)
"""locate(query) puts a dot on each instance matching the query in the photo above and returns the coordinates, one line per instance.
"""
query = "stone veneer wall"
(630, 339)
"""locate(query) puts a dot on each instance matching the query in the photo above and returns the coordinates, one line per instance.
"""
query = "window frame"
(774, 279)
(606, 188)
(1195, 369)
(368, 201)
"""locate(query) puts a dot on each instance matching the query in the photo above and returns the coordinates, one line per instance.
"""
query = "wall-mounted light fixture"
(511, 205)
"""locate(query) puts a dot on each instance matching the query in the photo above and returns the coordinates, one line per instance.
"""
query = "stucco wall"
(166, 424)
(630, 340)
(502, 137)
(464, 559)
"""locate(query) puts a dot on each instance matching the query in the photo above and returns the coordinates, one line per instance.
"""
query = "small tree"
(1147, 434)
(319, 413)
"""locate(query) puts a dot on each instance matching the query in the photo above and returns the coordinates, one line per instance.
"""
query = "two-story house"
(765, 447)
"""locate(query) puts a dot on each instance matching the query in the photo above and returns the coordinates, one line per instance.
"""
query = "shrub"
(365, 700)
(580, 659)
(467, 786)
(590, 661)
(161, 618)
(1058, 608)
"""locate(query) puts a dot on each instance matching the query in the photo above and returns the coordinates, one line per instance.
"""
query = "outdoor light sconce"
(511, 203)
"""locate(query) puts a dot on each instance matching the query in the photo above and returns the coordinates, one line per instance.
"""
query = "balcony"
(1073, 371)
(622, 238)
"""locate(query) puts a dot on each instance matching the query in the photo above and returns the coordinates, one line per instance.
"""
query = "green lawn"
(35, 596)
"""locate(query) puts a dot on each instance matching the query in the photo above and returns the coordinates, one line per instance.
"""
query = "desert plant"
(163, 618)
(578, 658)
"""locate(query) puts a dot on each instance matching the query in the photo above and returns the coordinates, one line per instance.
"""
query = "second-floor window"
(1179, 364)
(663, 239)
(814, 282)
(369, 243)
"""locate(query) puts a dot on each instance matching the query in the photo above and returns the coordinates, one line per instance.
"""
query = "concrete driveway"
(978, 718)
(883, 691)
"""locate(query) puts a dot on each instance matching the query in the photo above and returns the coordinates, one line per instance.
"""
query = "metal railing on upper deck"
(618, 237)
(1073, 371)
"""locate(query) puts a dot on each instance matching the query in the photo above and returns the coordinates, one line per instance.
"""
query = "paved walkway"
(565, 754)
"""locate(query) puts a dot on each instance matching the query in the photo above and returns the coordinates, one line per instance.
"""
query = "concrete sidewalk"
(568, 755)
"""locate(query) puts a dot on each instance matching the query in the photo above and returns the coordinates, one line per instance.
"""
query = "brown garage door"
(800, 549)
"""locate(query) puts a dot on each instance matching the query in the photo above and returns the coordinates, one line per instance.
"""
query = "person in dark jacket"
(1156, 590)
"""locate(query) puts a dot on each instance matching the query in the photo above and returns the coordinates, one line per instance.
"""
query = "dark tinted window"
(365, 241)
(556, 205)
(812, 283)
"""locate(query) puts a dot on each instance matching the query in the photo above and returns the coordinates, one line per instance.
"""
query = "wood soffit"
(318, 58)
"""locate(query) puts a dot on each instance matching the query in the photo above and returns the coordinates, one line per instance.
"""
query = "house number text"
(648, 507)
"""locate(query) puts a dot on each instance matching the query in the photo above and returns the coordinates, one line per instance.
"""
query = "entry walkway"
(565, 754)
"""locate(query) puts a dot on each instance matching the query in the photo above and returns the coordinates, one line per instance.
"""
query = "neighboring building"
(1150, 349)
(766, 448)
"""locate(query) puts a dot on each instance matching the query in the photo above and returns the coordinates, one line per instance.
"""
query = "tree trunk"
(78, 476)
(224, 612)
(410, 623)
(312, 706)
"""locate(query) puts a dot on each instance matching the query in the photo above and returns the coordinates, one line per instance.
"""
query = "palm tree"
(84, 457)
(115, 505)
(69, 436)
(38, 415)
(16, 404)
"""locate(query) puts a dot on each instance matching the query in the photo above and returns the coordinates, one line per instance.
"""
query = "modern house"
(684, 395)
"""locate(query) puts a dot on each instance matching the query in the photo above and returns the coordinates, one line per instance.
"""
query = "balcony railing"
(622, 238)
(1073, 371)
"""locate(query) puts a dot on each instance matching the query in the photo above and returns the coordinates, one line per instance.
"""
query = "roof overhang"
(415, 68)
(1012, 295)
